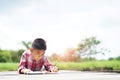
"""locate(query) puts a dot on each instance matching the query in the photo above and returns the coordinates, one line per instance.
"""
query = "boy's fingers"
(27, 70)
(54, 69)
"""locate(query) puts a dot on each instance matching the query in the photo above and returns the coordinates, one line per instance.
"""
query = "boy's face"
(37, 54)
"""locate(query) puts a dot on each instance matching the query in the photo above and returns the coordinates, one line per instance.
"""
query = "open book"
(40, 72)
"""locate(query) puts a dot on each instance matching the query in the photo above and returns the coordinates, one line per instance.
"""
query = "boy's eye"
(40, 53)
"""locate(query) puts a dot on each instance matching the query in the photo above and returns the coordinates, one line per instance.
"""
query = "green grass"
(90, 65)
(8, 66)
(83, 66)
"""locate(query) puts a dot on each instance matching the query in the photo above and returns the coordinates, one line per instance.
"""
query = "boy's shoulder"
(27, 52)
(45, 58)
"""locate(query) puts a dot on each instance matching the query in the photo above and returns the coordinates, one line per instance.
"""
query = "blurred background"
(76, 32)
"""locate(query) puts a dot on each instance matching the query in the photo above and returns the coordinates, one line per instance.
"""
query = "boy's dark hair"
(39, 43)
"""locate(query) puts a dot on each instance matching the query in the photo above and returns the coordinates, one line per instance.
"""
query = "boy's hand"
(54, 69)
(25, 71)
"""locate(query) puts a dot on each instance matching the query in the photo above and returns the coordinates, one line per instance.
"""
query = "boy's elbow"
(19, 71)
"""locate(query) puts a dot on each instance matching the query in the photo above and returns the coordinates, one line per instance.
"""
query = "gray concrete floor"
(62, 75)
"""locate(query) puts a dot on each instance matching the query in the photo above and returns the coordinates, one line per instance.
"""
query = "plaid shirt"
(27, 62)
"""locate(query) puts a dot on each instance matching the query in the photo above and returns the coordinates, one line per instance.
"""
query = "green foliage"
(10, 55)
(20, 51)
(5, 56)
(117, 58)
(16, 55)
(26, 44)
(111, 58)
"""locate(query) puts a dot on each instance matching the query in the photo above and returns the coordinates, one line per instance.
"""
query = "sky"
(62, 23)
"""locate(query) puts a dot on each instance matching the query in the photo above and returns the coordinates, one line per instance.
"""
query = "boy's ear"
(31, 49)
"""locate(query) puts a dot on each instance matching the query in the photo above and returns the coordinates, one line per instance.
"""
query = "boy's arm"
(48, 65)
(22, 64)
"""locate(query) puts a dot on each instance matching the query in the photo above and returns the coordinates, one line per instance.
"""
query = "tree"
(26, 44)
(88, 47)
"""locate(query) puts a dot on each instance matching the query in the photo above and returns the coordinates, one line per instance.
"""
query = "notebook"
(40, 72)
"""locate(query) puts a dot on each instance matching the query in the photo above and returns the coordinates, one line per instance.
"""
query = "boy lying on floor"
(34, 59)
